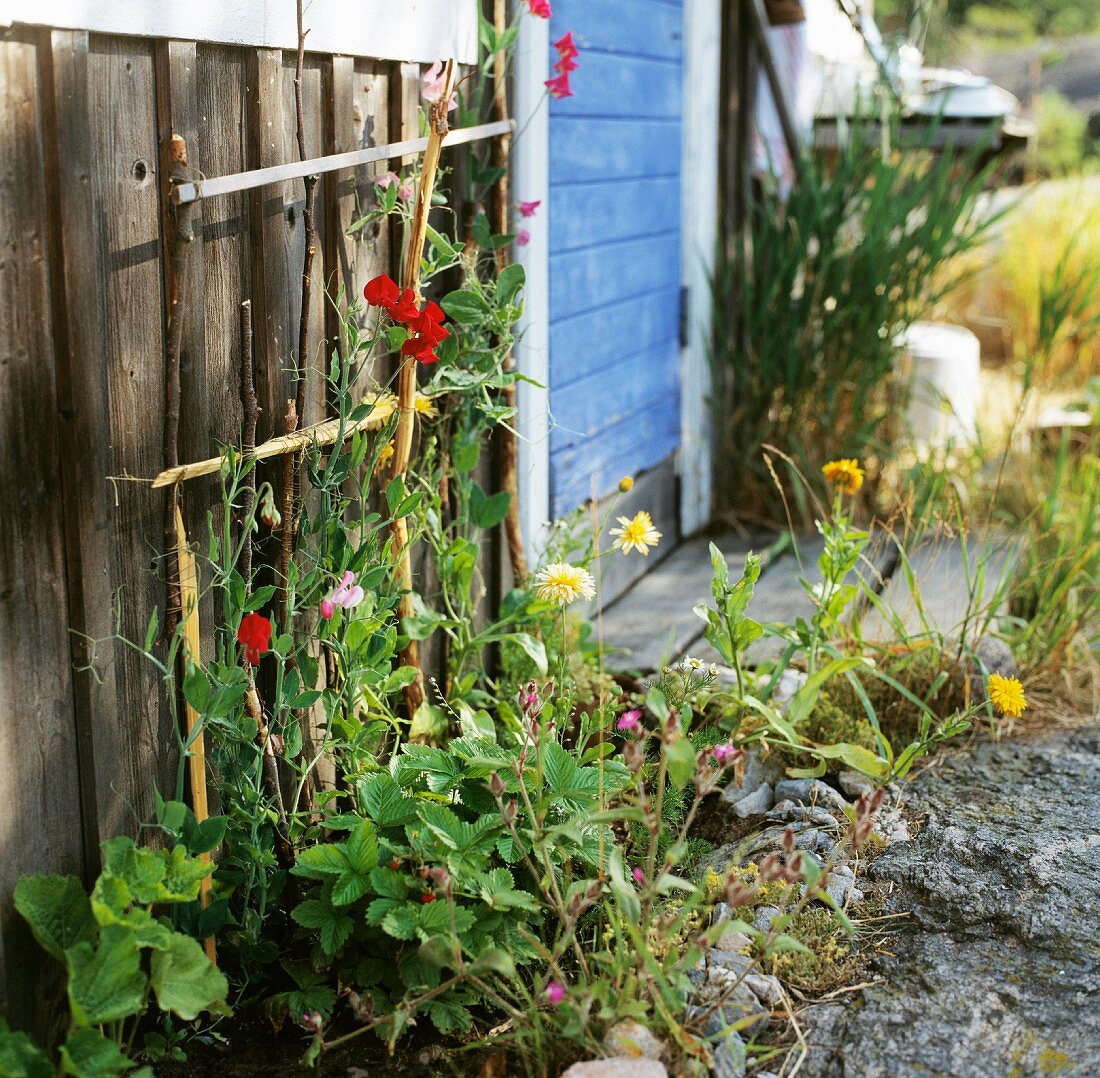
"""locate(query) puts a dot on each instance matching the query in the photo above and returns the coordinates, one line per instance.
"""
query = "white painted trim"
(414, 30)
(699, 210)
(531, 165)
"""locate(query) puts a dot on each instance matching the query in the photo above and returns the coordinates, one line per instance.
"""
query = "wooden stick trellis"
(329, 431)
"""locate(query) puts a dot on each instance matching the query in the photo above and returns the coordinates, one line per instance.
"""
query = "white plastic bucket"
(942, 366)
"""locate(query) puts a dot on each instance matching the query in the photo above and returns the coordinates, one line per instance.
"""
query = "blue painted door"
(615, 159)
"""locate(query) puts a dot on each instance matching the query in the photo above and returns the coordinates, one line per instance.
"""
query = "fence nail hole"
(141, 174)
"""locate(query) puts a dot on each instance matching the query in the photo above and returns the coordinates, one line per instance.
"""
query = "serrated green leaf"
(312, 913)
(58, 911)
(20, 1057)
(185, 981)
(88, 1054)
(183, 876)
(385, 802)
(317, 862)
(402, 921)
(494, 960)
(106, 983)
(140, 869)
(348, 888)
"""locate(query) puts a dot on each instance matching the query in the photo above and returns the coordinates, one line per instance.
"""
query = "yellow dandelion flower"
(845, 474)
(1007, 695)
(385, 455)
(637, 533)
(382, 406)
(423, 406)
(626, 483)
(562, 583)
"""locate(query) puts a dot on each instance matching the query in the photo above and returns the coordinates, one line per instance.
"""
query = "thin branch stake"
(406, 377)
(509, 469)
(250, 407)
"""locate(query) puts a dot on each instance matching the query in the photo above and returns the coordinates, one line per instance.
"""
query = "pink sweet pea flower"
(347, 595)
(523, 237)
(629, 720)
(558, 86)
(566, 46)
(391, 179)
(555, 993)
(527, 209)
(433, 85)
(539, 8)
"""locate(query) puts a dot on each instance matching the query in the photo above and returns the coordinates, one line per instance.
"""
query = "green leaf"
(385, 802)
(20, 1057)
(494, 960)
(207, 836)
(312, 913)
(449, 1016)
(88, 1054)
(438, 951)
(856, 757)
(389, 883)
(141, 870)
(185, 981)
(788, 943)
(401, 922)
(680, 755)
(317, 862)
(348, 888)
(106, 983)
(184, 875)
(58, 911)
(465, 307)
(488, 510)
(512, 278)
(362, 848)
(534, 649)
(803, 701)
(429, 723)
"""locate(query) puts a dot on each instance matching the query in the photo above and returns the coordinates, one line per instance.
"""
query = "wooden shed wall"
(84, 122)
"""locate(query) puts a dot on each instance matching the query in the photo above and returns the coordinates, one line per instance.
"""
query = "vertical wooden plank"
(124, 195)
(269, 143)
(357, 100)
(78, 265)
(40, 827)
(222, 97)
(404, 124)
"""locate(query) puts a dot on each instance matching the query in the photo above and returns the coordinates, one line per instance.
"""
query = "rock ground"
(996, 972)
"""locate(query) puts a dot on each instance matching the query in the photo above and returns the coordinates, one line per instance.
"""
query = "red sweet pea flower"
(540, 8)
(254, 635)
(381, 291)
(404, 310)
(566, 65)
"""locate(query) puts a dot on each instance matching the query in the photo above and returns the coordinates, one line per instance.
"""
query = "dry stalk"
(406, 379)
(509, 469)
(250, 407)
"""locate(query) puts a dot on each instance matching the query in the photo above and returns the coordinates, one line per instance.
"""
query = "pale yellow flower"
(382, 405)
(424, 407)
(637, 533)
(562, 583)
(845, 474)
(1007, 695)
(385, 455)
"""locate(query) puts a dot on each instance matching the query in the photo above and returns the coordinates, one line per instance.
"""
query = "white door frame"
(531, 168)
(699, 231)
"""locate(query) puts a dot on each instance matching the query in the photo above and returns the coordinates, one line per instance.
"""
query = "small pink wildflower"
(527, 209)
(539, 8)
(724, 753)
(433, 85)
(523, 237)
(629, 720)
(555, 993)
(347, 595)
(639, 875)
(391, 179)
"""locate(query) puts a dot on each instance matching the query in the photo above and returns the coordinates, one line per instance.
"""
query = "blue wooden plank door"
(615, 160)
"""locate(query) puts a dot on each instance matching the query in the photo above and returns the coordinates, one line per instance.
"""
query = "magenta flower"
(639, 875)
(523, 237)
(347, 595)
(539, 8)
(724, 753)
(558, 86)
(555, 993)
(527, 209)
(629, 720)
(433, 85)
(566, 46)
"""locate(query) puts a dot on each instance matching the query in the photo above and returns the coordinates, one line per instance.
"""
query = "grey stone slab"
(948, 586)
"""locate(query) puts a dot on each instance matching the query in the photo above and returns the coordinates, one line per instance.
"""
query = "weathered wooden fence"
(85, 121)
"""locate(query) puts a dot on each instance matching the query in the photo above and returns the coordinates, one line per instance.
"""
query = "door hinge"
(685, 297)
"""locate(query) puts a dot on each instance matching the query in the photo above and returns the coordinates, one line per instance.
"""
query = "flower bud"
(496, 786)
(269, 512)
(509, 812)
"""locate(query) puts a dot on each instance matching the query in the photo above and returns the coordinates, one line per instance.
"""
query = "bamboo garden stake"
(406, 377)
(196, 756)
